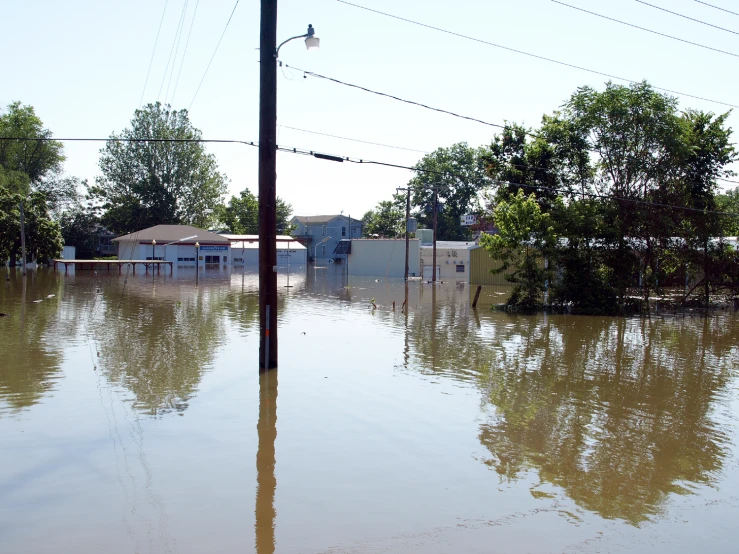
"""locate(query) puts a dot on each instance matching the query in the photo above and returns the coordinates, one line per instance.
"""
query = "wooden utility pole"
(436, 209)
(23, 238)
(267, 185)
(407, 220)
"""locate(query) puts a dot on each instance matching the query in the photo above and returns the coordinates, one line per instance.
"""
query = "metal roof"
(172, 233)
(306, 219)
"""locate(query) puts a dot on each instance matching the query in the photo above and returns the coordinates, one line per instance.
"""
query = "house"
(180, 244)
(321, 233)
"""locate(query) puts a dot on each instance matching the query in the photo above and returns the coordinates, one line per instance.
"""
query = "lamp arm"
(277, 51)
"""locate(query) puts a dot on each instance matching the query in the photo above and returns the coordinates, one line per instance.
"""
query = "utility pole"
(267, 185)
(436, 209)
(407, 219)
(23, 238)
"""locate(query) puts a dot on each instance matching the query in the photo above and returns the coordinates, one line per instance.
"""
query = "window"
(323, 230)
(324, 249)
(460, 269)
(185, 259)
(343, 231)
(155, 258)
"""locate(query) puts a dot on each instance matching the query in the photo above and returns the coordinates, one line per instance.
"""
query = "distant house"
(321, 233)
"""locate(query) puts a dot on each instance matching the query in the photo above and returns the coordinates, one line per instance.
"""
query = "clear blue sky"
(82, 64)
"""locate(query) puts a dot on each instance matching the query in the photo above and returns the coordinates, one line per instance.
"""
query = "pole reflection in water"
(266, 482)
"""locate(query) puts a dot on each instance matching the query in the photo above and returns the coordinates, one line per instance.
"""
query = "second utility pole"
(267, 186)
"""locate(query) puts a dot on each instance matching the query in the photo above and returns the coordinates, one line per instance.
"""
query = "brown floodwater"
(133, 420)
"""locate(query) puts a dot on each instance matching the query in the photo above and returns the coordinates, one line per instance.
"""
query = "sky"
(83, 65)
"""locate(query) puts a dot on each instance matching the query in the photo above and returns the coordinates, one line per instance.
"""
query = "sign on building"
(467, 220)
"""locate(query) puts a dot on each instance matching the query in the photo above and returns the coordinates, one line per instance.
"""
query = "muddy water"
(132, 419)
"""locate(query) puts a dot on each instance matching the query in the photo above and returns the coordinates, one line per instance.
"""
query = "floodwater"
(133, 420)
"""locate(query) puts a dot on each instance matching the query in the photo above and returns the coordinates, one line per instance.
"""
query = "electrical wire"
(386, 95)
(175, 40)
(529, 54)
(647, 30)
(180, 29)
(355, 140)
(214, 55)
(687, 17)
(151, 61)
(361, 161)
(184, 53)
(716, 7)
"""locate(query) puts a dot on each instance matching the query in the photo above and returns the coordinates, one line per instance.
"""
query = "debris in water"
(50, 295)
(37, 301)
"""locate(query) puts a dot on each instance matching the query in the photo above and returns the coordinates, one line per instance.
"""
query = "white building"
(452, 260)
(245, 250)
(383, 257)
(180, 244)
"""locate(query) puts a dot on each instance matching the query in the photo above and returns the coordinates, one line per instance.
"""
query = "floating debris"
(50, 295)
(38, 301)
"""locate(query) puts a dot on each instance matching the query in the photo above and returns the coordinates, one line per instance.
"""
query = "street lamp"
(197, 263)
(175, 242)
(268, 53)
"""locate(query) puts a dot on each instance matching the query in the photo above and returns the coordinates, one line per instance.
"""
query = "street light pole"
(268, 51)
(407, 218)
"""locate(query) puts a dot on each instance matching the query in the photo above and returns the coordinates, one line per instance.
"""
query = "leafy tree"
(385, 220)
(79, 228)
(148, 183)
(459, 173)
(241, 215)
(43, 236)
(525, 235)
(729, 202)
(34, 158)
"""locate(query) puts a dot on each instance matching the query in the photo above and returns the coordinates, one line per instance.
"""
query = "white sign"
(468, 219)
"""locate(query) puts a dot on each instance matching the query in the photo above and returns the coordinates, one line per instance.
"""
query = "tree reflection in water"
(616, 412)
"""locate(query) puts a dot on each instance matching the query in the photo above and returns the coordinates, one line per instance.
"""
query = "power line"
(386, 95)
(647, 30)
(175, 41)
(529, 54)
(687, 17)
(184, 53)
(332, 157)
(213, 56)
(355, 140)
(141, 101)
(716, 7)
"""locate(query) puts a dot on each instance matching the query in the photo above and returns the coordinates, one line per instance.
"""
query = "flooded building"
(383, 257)
(180, 244)
(322, 233)
(245, 250)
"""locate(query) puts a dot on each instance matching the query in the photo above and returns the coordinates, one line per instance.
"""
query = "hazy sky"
(82, 64)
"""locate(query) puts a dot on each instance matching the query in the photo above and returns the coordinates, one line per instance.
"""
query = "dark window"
(460, 269)
(343, 231)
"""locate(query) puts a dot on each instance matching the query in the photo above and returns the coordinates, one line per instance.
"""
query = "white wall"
(383, 257)
(447, 260)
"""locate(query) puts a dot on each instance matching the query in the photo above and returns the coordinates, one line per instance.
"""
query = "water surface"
(133, 419)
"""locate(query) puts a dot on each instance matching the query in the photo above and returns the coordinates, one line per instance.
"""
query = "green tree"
(146, 183)
(459, 173)
(386, 220)
(524, 238)
(729, 202)
(34, 158)
(79, 227)
(241, 215)
(43, 236)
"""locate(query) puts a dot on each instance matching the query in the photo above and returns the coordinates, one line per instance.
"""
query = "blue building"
(321, 233)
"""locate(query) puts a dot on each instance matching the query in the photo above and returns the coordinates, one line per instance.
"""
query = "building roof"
(254, 245)
(306, 219)
(280, 238)
(173, 233)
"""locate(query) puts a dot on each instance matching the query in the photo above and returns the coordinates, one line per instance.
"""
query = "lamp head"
(197, 245)
(311, 41)
(153, 242)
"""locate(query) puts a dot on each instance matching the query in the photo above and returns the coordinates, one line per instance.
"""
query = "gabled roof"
(318, 219)
(172, 233)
